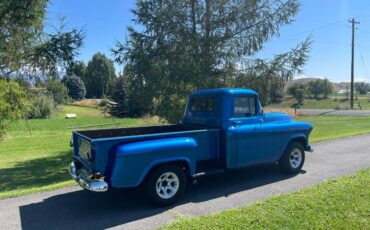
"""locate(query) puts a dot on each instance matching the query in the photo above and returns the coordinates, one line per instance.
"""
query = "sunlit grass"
(341, 203)
(330, 127)
(38, 161)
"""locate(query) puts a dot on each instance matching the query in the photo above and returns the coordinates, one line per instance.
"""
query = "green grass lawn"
(80, 111)
(37, 162)
(330, 127)
(341, 203)
(333, 102)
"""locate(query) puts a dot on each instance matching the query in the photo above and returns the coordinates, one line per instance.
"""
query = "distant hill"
(304, 81)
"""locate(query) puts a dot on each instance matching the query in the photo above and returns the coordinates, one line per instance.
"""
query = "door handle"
(236, 123)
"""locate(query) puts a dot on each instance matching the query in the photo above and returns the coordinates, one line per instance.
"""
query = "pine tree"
(76, 87)
(184, 45)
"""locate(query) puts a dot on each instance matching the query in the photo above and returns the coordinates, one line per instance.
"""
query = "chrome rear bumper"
(81, 177)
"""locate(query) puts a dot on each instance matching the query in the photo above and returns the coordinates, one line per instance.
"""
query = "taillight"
(96, 175)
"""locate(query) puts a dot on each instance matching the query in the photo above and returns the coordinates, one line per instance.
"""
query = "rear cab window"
(202, 104)
(244, 106)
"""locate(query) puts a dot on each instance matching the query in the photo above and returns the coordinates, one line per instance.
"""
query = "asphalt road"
(332, 112)
(73, 208)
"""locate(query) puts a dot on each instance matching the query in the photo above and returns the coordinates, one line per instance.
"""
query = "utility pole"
(102, 86)
(353, 22)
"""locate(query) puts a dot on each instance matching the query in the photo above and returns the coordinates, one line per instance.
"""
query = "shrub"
(277, 95)
(362, 87)
(22, 82)
(76, 87)
(172, 109)
(103, 102)
(42, 106)
(13, 103)
(58, 91)
(341, 107)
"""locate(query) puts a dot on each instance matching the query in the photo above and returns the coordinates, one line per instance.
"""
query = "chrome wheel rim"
(295, 158)
(167, 185)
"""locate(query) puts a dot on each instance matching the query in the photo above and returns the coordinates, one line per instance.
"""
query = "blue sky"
(327, 20)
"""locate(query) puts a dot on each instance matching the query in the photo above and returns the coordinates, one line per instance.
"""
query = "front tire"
(165, 185)
(293, 158)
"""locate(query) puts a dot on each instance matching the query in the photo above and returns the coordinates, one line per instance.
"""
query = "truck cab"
(221, 129)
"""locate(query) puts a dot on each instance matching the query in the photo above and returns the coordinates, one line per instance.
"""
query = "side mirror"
(261, 111)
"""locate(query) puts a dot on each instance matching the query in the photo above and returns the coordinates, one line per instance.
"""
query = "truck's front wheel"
(165, 184)
(293, 158)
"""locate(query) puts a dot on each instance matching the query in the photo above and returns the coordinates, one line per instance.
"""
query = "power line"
(363, 16)
(328, 25)
(362, 59)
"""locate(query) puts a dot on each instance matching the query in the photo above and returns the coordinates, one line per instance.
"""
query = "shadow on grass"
(37, 172)
(87, 210)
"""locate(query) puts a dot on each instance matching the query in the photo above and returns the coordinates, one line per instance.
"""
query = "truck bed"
(95, 146)
(134, 131)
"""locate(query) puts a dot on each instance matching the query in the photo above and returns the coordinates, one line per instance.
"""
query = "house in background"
(344, 91)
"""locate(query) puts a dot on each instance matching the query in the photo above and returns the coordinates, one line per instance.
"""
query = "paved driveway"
(72, 208)
(332, 112)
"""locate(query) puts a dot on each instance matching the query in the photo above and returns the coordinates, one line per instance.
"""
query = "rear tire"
(165, 185)
(293, 158)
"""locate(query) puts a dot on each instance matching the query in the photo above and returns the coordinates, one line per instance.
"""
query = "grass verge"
(332, 127)
(341, 203)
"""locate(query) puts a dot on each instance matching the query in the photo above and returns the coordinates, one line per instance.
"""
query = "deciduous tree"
(319, 86)
(362, 87)
(298, 91)
(57, 90)
(77, 68)
(26, 48)
(99, 77)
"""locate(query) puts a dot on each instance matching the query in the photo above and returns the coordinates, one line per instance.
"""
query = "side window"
(244, 106)
(202, 104)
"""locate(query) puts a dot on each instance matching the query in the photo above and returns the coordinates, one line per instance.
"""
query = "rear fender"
(133, 161)
(185, 160)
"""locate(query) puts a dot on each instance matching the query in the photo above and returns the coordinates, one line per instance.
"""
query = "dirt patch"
(93, 103)
(289, 111)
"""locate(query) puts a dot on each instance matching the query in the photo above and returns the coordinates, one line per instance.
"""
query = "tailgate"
(82, 150)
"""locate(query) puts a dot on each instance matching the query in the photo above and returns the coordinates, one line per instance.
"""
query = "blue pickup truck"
(221, 129)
